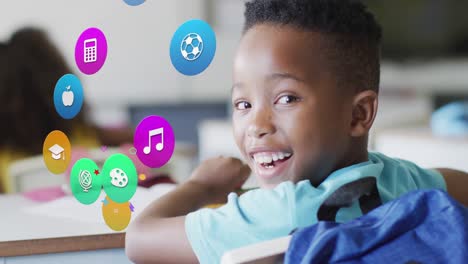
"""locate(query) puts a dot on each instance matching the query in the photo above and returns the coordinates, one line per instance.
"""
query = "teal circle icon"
(85, 181)
(134, 2)
(68, 96)
(120, 178)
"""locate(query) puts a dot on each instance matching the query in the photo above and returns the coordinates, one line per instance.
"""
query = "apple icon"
(67, 97)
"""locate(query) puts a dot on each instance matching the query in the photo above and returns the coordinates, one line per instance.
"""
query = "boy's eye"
(287, 99)
(242, 105)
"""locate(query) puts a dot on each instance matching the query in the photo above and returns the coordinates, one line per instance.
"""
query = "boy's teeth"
(265, 158)
(262, 159)
(274, 157)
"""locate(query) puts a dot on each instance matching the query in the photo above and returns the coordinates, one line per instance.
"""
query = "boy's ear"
(364, 111)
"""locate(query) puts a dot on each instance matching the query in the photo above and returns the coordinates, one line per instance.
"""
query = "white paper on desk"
(68, 207)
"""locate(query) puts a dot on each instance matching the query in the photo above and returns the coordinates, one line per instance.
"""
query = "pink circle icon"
(154, 141)
(91, 51)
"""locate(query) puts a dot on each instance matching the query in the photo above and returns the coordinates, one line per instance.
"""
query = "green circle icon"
(86, 181)
(119, 178)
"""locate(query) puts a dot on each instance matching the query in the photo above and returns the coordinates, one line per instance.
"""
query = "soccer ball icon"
(191, 46)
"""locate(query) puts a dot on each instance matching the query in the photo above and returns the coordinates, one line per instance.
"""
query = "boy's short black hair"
(352, 33)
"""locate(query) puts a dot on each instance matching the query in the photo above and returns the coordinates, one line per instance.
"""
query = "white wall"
(138, 68)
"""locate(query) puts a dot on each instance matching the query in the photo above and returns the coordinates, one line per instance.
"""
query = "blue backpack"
(419, 227)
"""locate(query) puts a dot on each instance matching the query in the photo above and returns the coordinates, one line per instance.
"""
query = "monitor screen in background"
(422, 29)
(183, 117)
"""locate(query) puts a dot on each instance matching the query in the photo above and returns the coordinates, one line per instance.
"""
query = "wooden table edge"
(61, 244)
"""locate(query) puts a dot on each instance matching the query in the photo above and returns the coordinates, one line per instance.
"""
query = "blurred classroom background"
(425, 60)
(424, 68)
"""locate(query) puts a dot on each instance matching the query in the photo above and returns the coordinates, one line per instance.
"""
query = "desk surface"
(26, 233)
(62, 225)
(420, 146)
(61, 244)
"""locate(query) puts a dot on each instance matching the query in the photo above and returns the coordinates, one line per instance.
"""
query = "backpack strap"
(364, 190)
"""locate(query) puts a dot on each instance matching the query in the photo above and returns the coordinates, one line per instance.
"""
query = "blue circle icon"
(68, 96)
(134, 2)
(193, 47)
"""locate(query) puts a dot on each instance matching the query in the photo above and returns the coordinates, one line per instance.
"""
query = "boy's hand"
(220, 176)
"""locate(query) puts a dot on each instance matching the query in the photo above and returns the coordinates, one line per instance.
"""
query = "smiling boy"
(305, 95)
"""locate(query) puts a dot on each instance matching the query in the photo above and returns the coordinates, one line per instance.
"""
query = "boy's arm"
(457, 184)
(157, 235)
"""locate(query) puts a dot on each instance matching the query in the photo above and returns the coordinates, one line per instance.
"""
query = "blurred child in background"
(30, 66)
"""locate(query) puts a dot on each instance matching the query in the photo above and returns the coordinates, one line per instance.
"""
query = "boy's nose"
(261, 125)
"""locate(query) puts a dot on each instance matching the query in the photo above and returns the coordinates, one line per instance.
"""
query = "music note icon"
(159, 145)
(154, 134)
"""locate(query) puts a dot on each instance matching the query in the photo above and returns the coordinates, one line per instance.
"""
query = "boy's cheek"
(237, 133)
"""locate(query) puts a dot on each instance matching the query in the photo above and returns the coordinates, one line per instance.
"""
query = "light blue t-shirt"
(262, 214)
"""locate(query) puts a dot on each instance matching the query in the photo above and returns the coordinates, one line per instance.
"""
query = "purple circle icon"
(154, 141)
(91, 51)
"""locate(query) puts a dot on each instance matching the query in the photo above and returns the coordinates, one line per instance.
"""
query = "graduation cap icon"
(57, 152)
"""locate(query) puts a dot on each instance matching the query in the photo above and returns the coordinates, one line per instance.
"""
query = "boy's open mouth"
(269, 160)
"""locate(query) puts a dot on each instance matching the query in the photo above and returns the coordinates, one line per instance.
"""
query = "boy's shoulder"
(376, 157)
(396, 167)
(401, 176)
(391, 174)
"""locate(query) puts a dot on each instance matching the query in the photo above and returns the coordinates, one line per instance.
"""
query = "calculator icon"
(90, 48)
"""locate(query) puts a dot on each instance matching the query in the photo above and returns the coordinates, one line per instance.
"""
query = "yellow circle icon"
(56, 152)
(142, 177)
(116, 215)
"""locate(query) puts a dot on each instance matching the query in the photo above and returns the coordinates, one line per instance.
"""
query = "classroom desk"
(64, 230)
(27, 237)
(420, 146)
